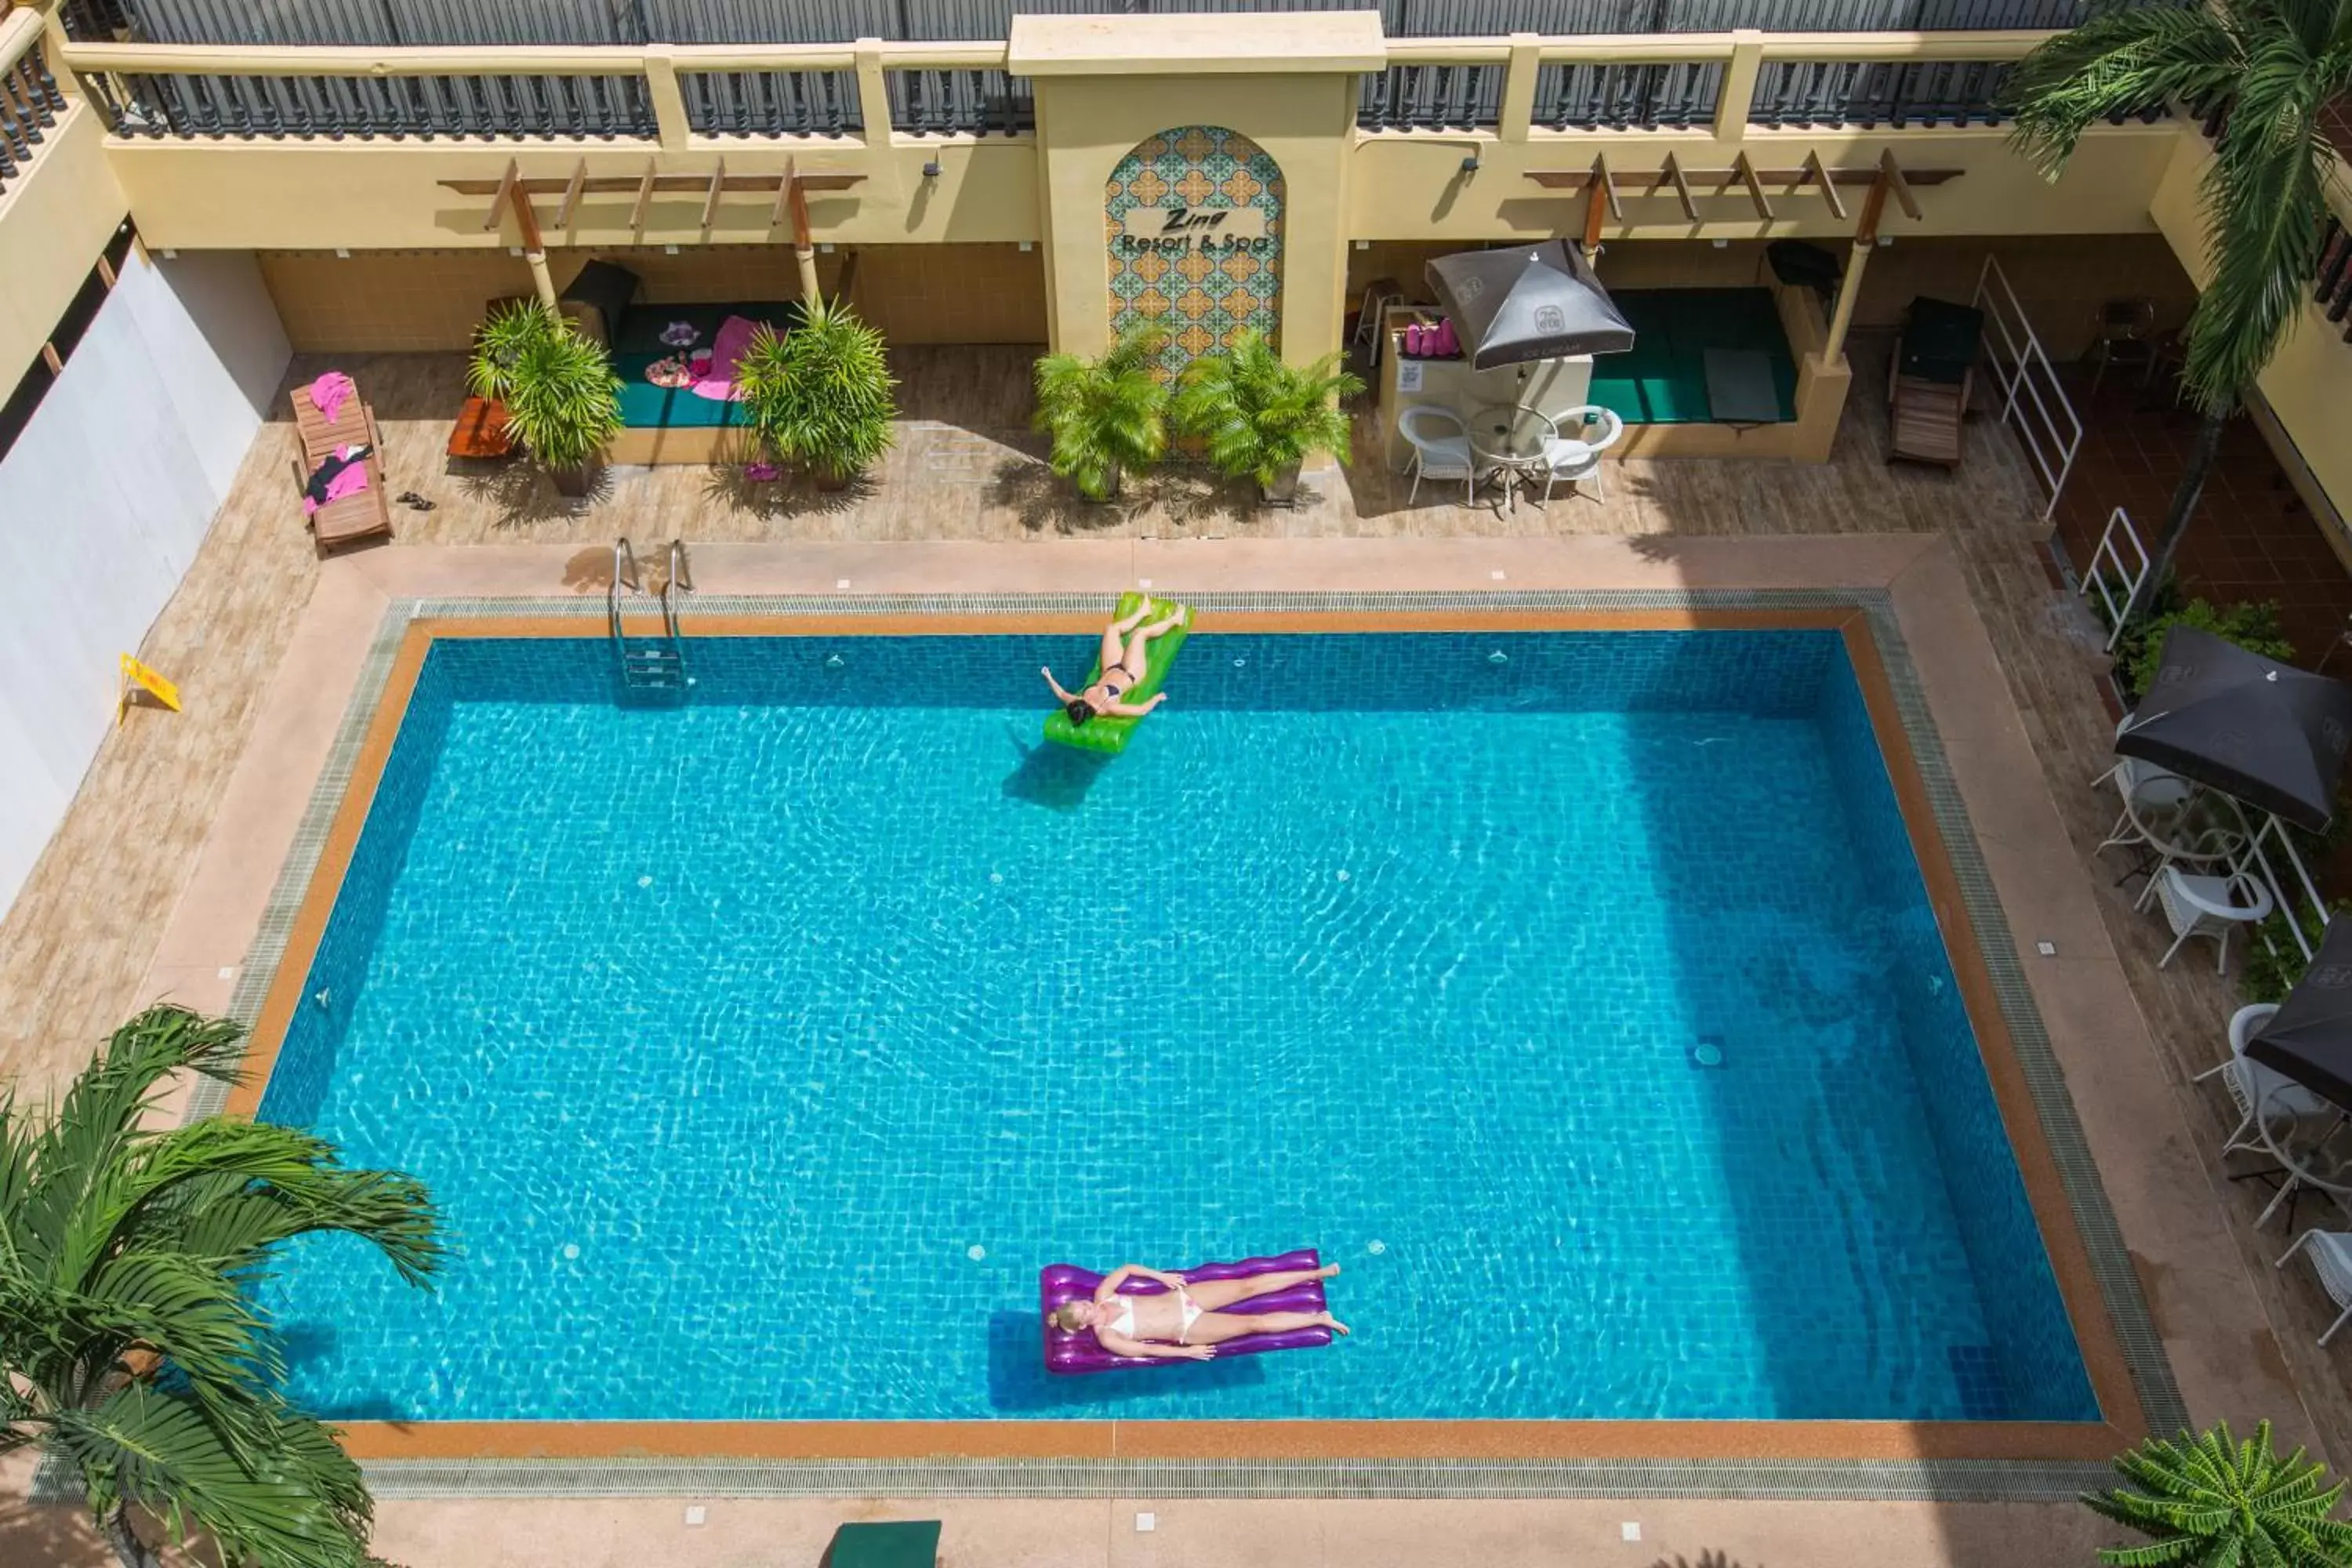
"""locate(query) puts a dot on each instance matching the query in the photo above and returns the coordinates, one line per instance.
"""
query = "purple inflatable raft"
(1068, 1352)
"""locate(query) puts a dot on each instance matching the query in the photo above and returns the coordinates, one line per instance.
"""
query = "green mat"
(895, 1544)
(1108, 733)
(1663, 380)
(638, 344)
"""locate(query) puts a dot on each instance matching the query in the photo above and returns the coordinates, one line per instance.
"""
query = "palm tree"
(2268, 66)
(1262, 418)
(129, 1349)
(1107, 415)
(2216, 1503)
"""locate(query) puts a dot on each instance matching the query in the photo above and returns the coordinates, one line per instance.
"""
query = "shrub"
(1261, 417)
(562, 398)
(821, 393)
(1108, 415)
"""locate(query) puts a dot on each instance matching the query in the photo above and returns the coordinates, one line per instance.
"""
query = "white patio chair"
(2331, 1259)
(1441, 450)
(2143, 784)
(2198, 905)
(1576, 459)
(2255, 1088)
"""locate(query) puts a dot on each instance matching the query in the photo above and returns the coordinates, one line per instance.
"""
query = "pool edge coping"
(2125, 1314)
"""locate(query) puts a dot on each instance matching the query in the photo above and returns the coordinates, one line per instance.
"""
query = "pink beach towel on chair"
(716, 381)
(328, 393)
(348, 481)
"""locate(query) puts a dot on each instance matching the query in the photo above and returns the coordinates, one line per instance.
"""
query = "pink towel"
(717, 380)
(351, 481)
(328, 393)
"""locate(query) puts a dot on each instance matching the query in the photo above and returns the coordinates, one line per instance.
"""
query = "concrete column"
(1519, 89)
(873, 93)
(1833, 347)
(1738, 94)
(670, 103)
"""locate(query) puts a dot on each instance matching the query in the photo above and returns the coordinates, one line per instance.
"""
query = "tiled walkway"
(2251, 538)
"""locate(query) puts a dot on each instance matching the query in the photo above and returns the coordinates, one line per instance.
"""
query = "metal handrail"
(680, 575)
(624, 570)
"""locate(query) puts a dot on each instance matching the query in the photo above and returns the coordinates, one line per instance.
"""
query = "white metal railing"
(2030, 397)
(2114, 578)
(2274, 831)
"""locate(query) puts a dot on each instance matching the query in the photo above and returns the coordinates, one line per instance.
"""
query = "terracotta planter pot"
(576, 482)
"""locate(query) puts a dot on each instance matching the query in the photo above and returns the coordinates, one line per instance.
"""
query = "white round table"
(2312, 1150)
(1509, 437)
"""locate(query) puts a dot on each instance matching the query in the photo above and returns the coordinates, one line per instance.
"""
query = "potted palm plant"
(821, 393)
(562, 398)
(132, 1355)
(1263, 418)
(2212, 1499)
(2264, 74)
(1108, 415)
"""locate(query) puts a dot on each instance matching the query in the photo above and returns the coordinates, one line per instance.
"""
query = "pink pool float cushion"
(715, 377)
(1066, 1352)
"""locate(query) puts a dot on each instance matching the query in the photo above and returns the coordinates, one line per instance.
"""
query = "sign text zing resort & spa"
(1187, 228)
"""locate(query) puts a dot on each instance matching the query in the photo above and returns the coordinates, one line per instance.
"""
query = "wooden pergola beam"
(710, 202)
(1898, 183)
(1671, 172)
(1744, 173)
(1574, 180)
(578, 183)
(501, 192)
(645, 199)
(1816, 174)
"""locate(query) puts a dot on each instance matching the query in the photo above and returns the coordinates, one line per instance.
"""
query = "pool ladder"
(655, 666)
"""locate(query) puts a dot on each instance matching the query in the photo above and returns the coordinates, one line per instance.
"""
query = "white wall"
(103, 501)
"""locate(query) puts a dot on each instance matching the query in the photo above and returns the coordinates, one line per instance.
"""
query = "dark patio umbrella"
(2309, 1039)
(1527, 302)
(2270, 734)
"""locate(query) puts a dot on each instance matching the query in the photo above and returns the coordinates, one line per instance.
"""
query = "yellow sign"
(1186, 228)
(137, 677)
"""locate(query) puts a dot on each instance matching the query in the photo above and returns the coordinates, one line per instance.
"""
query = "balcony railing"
(1726, 82)
(29, 99)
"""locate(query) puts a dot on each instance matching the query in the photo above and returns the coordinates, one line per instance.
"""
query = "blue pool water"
(761, 1051)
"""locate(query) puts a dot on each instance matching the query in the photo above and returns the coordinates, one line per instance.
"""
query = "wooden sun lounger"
(1934, 371)
(355, 516)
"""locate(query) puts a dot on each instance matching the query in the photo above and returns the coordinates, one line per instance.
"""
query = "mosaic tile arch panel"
(1210, 282)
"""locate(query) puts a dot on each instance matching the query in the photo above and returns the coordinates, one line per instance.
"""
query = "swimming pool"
(1577, 992)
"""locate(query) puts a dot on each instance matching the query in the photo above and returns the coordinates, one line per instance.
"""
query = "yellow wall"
(1086, 124)
(2309, 383)
(1406, 185)
(386, 195)
(54, 219)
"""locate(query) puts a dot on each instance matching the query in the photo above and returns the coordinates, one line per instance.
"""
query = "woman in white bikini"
(1188, 1323)
(1123, 668)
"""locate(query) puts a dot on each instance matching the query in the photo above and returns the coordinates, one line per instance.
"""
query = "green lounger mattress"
(1108, 734)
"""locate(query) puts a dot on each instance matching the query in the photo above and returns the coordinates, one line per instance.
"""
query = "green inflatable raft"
(1108, 734)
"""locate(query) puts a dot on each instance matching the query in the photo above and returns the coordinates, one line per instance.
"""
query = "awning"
(2268, 733)
(1527, 302)
(2309, 1038)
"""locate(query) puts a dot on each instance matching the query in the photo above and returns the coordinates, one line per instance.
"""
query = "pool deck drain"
(1938, 1479)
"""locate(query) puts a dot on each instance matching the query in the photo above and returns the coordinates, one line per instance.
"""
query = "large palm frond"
(129, 1342)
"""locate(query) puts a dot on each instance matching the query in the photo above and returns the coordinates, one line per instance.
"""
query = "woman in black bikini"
(1122, 667)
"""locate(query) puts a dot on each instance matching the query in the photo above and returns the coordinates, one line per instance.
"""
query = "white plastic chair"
(1576, 459)
(1438, 455)
(2255, 1088)
(2331, 1259)
(2198, 905)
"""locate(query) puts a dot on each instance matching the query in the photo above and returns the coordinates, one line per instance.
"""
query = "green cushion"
(899, 1543)
(1109, 735)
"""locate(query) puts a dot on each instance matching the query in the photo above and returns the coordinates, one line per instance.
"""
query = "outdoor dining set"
(1514, 306)
(2225, 752)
